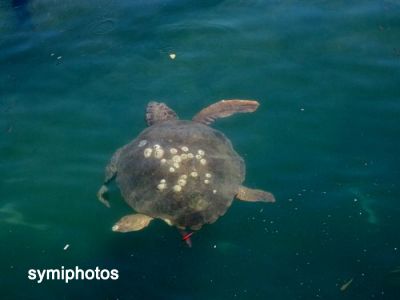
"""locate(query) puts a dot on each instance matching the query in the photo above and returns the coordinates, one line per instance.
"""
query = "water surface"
(75, 78)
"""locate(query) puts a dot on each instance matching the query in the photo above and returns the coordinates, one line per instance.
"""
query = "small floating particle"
(59, 57)
(66, 247)
(147, 152)
(215, 246)
(172, 55)
(214, 191)
(346, 285)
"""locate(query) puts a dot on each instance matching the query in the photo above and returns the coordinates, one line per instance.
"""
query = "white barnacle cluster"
(147, 152)
(162, 185)
(177, 188)
(172, 159)
(158, 151)
(181, 182)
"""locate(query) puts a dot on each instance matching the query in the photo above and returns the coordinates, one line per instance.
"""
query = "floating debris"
(346, 285)
(172, 55)
(66, 247)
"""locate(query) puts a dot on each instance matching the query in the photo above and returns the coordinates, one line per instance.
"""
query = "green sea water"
(75, 78)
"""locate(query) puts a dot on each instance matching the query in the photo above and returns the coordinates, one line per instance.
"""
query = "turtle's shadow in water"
(10, 215)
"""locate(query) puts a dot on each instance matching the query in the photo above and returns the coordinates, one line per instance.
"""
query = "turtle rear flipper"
(223, 109)
(158, 112)
(133, 222)
(253, 195)
(110, 173)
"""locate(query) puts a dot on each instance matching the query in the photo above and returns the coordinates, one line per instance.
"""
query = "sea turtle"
(183, 172)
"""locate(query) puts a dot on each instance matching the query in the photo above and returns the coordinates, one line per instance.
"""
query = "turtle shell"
(181, 171)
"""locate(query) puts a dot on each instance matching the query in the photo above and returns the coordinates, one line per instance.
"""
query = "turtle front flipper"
(158, 112)
(110, 173)
(133, 222)
(223, 109)
(253, 195)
